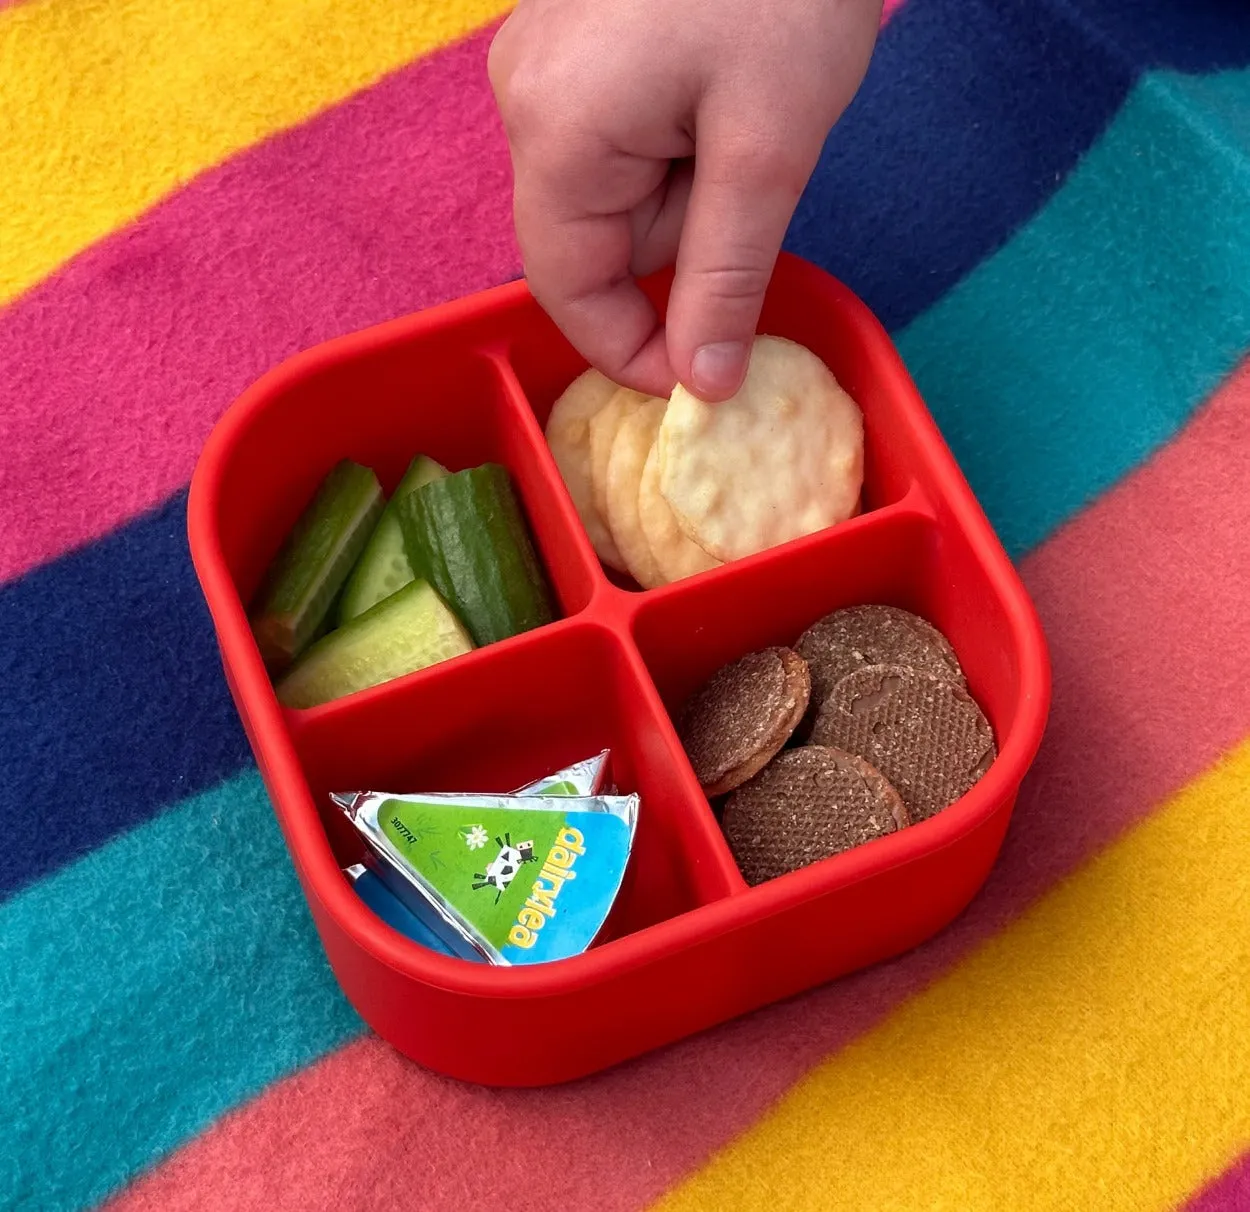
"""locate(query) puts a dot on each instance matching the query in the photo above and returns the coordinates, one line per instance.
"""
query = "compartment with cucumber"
(366, 590)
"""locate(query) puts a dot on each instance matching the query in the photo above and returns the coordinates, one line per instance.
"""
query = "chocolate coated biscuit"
(739, 719)
(806, 805)
(923, 732)
(849, 639)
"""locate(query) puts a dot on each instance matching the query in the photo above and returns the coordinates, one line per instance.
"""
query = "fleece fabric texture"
(1046, 202)
(97, 145)
(649, 1123)
(1141, 935)
(1228, 1193)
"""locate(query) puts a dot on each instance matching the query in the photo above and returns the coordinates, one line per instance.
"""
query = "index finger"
(577, 264)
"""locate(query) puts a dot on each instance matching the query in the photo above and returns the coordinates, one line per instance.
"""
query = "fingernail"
(717, 370)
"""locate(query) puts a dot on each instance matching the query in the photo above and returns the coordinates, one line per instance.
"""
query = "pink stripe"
(1228, 1193)
(1147, 603)
(113, 372)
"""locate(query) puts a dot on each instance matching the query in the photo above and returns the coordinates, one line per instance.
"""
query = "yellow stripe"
(106, 107)
(1095, 1055)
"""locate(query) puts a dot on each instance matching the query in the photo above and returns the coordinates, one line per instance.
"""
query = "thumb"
(742, 199)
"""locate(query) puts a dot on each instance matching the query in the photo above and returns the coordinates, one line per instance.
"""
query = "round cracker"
(603, 427)
(925, 733)
(568, 436)
(676, 554)
(630, 448)
(782, 458)
(806, 805)
(738, 720)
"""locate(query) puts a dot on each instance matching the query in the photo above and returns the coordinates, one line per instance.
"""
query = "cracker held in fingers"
(782, 458)
(676, 554)
(568, 436)
(740, 719)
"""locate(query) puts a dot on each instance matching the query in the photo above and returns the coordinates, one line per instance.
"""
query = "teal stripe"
(149, 987)
(174, 972)
(1064, 360)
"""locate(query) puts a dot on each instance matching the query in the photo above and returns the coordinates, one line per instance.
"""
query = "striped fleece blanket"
(1048, 204)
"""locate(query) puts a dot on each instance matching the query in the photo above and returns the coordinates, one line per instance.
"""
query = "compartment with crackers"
(824, 593)
(668, 488)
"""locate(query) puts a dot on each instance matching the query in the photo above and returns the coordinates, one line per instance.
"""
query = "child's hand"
(606, 102)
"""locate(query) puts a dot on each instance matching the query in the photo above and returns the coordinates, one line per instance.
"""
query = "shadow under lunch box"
(689, 944)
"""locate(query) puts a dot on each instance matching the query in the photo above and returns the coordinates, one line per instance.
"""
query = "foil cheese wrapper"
(587, 778)
(517, 879)
(377, 895)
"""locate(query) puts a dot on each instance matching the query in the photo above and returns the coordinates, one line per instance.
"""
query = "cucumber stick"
(296, 598)
(409, 630)
(465, 534)
(383, 568)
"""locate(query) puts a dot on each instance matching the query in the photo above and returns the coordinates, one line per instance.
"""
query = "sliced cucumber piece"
(383, 568)
(410, 630)
(466, 535)
(296, 598)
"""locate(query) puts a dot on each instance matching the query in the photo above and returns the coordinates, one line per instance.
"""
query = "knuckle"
(506, 50)
(743, 281)
(542, 96)
(497, 62)
(516, 79)
(536, 92)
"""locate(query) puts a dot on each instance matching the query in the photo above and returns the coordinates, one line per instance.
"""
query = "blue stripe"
(1062, 362)
(113, 694)
(1190, 36)
(972, 114)
(148, 988)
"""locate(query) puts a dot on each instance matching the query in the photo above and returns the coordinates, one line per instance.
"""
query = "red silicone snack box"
(688, 944)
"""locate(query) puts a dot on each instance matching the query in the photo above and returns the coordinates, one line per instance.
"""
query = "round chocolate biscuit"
(923, 732)
(742, 717)
(806, 805)
(849, 639)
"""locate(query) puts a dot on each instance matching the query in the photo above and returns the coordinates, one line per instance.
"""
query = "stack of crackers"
(669, 488)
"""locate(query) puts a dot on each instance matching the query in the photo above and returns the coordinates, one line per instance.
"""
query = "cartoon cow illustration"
(502, 869)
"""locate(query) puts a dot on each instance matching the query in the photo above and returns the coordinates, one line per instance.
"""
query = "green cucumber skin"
(466, 535)
(305, 579)
(410, 630)
(383, 567)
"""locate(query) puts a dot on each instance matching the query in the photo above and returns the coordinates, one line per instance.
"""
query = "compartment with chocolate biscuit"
(888, 566)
